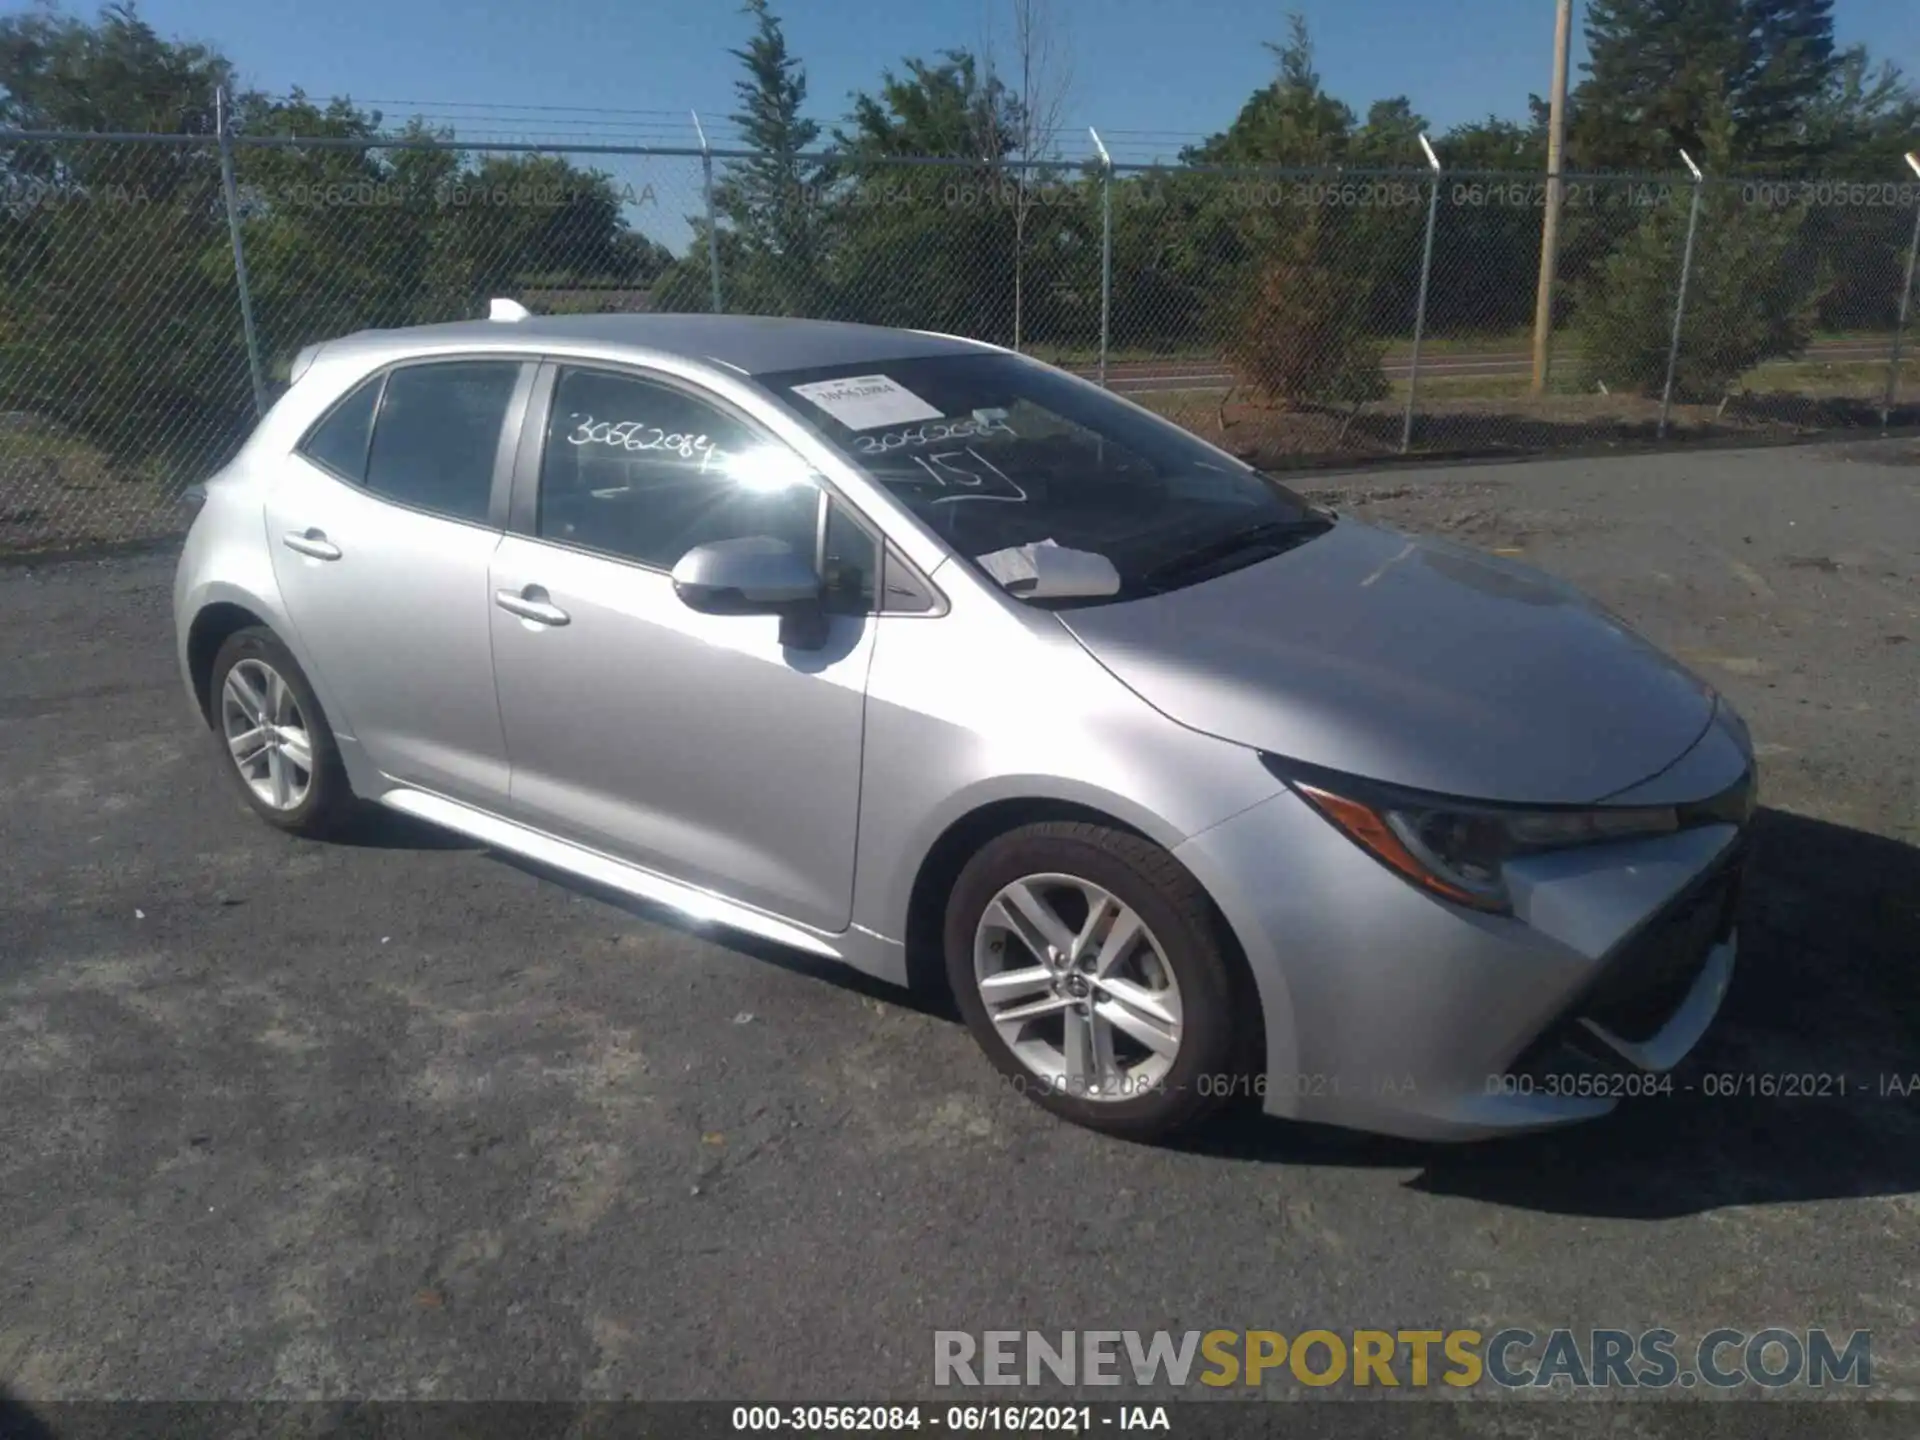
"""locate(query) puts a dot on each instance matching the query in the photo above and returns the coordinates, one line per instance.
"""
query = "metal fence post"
(1420, 305)
(1680, 303)
(713, 223)
(231, 193)
(1906, 304)
(1106, 249)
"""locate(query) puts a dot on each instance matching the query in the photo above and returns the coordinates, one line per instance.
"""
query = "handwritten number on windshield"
(930, 433)
(975, 476)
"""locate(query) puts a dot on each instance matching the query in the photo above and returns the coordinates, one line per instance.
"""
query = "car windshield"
(1005, 458)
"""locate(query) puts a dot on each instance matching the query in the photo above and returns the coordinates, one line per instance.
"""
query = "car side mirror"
(755, 575)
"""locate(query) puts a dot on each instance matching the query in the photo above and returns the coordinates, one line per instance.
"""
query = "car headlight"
(1461, 851)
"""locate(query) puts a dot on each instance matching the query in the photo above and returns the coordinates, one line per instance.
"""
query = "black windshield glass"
(996, 452)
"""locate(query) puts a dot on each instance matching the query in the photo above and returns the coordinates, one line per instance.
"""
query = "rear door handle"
(531, 603)
(311, 542)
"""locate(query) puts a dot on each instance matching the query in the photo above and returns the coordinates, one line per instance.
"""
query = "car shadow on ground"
(374, 827)
(1825, 1003)
(20, 1421)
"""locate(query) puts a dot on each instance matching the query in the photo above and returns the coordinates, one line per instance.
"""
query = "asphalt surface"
(399, 1119)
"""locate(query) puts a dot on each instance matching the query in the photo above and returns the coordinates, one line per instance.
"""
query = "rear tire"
(1096, 974)
(278, 748)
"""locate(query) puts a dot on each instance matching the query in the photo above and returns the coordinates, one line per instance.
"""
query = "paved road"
(397, 1118)
(1153, 376)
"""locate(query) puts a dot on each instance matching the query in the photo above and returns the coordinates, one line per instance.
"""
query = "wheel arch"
(219, 608)
(213, 624)
(964, 837)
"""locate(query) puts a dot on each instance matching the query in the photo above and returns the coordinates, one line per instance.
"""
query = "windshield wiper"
(1255, 543)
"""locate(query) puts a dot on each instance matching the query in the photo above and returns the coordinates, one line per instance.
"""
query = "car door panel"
(391, 604)
(398, 628)
(695, 745)
(691, 744)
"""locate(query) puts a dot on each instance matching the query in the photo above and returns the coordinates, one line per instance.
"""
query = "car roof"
(750, 344)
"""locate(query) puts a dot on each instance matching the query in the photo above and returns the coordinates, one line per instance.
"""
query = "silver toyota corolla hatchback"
(880, 643)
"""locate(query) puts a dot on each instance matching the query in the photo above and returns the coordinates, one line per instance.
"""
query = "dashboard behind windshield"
(995, 452)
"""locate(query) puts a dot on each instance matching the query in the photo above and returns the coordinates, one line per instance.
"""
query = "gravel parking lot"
(399, 1118)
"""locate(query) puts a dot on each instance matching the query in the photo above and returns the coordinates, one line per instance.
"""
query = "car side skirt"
(593, 865)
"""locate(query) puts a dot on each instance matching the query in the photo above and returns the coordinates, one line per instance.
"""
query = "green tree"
(1868, 117)
(118, 313)
(1297, 339)
(950, 107)
(1486, 250)
(1292, 121)
(333, 245)
(119, 306)
(1493, 144)
(929, 245)
(1661, 74)
(1752, 296)
(1297, 303)
(773, 200)
(58, 72)
(345, 237)
(505, 221)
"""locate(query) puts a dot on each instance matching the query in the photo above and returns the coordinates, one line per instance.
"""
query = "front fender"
(1035, 789)
(982, 708)
(898, 838)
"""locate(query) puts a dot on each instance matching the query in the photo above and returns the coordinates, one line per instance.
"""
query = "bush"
(1751, 297)
(1298, 338)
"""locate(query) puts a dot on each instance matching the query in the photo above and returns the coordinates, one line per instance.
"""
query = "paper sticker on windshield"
(866, 402)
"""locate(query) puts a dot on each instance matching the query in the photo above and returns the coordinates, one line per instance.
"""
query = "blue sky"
(1146, 72)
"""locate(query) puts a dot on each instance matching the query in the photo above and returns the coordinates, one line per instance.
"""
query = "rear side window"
(339, 442)
(437, 435)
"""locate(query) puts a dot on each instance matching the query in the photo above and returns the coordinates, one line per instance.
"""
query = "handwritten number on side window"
(971, 474)
(636, 435)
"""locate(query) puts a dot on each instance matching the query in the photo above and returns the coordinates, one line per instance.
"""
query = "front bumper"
(1389, 1011)
(1658, 991)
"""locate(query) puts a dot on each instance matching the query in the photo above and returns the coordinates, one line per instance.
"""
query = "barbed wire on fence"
(150, 286)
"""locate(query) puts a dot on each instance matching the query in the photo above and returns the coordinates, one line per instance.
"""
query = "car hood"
(1412, 661)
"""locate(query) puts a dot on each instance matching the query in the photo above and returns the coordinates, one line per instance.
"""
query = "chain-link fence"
(154, 289)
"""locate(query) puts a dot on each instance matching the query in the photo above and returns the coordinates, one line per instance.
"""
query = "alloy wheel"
(266, 734)
(1078, 987)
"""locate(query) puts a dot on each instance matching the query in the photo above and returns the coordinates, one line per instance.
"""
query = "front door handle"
(312, 542)
(531, 603)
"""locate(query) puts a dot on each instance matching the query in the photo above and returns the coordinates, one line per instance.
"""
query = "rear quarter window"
(339, 441)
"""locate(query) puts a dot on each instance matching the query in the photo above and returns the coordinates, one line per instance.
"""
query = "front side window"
(646, 471)
(997, 453)
(437, 436)
(850, 564)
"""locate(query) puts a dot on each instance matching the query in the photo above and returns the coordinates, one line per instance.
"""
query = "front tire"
(1096, 974)
(279, 748)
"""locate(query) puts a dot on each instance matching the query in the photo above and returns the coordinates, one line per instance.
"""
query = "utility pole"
(1550, 227)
